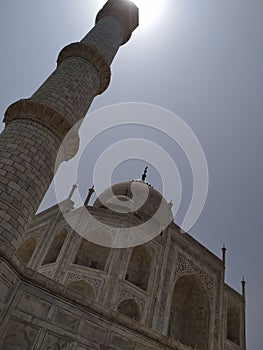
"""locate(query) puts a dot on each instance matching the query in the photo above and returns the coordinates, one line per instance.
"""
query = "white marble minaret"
(35, 127)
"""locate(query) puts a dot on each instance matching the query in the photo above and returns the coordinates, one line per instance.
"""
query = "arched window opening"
(139, 268)
(233, 325)
(190, 315)
(129, 308)
(55, 248)
(27, 249)
(83, 288)
(92, 255)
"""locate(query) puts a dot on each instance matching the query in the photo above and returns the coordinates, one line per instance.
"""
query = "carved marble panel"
(4, 290)
(65, 319)
(7, 281)
(34, 306)
(74, 276)
(54, 342)
(184, 265)
(19, 336)
(119, 343)
(47, 273)
(90, 346)
(140, 347)
(82, 347)
(92, 331)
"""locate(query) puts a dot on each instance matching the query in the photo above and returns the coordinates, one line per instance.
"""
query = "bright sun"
(149, 11)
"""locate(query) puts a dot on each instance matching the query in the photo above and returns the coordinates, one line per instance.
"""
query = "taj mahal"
(59, 290)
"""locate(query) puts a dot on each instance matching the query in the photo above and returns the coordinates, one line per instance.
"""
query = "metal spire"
(90, 192)
(144, 175)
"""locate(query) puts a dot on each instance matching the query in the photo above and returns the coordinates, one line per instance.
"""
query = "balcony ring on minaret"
(125, 12)
(92, 55)
(46, 116)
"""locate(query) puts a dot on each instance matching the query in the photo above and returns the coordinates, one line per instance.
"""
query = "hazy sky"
(202, 60)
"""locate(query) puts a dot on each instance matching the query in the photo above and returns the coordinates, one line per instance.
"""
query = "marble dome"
(135, 197)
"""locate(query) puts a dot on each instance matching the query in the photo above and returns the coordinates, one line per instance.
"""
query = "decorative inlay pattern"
(185, 265)
(95, 283)
(48, 273)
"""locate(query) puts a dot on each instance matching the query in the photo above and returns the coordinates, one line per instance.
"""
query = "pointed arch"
(92, 255)
(129, 308)
(83, 288)
(55, 247)
(233, 324)
(26, 250)
(139, 267)
(190, 313)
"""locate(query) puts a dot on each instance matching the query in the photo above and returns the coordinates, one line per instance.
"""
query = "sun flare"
(149, 11)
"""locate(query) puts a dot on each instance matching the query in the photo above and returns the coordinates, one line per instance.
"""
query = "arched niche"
(130, 308)
(233, 325)
(55, 247)
(83, 288)
(139, 267)
(26, 250)
(92, 255)
(190, 313)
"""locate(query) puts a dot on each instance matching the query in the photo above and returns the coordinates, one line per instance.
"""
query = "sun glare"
(149, 11)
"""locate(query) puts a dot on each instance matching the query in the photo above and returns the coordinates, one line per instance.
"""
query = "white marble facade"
(166, 294)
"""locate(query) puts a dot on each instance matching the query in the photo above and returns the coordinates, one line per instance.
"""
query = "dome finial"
(144, 175)
(74, 187)
(91, 191)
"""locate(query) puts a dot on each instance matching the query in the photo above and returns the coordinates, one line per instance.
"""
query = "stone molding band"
(93, 56)
(28, 109)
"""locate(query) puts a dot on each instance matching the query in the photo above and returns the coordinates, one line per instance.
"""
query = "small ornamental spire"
(90, 193)
(224, 255)
(74, 187)
(243, 283)
(144, 175)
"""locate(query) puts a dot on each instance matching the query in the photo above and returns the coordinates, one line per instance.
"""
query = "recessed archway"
(83, 288)
(55, 247)
(233, 325)
(139, 267)
(26, 250)
(92, 255)
(190, 315)
(129, 308)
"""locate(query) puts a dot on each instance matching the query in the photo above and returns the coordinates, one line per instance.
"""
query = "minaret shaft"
(28, 152)
(70, 89)
(106, 37)
(35, 127)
